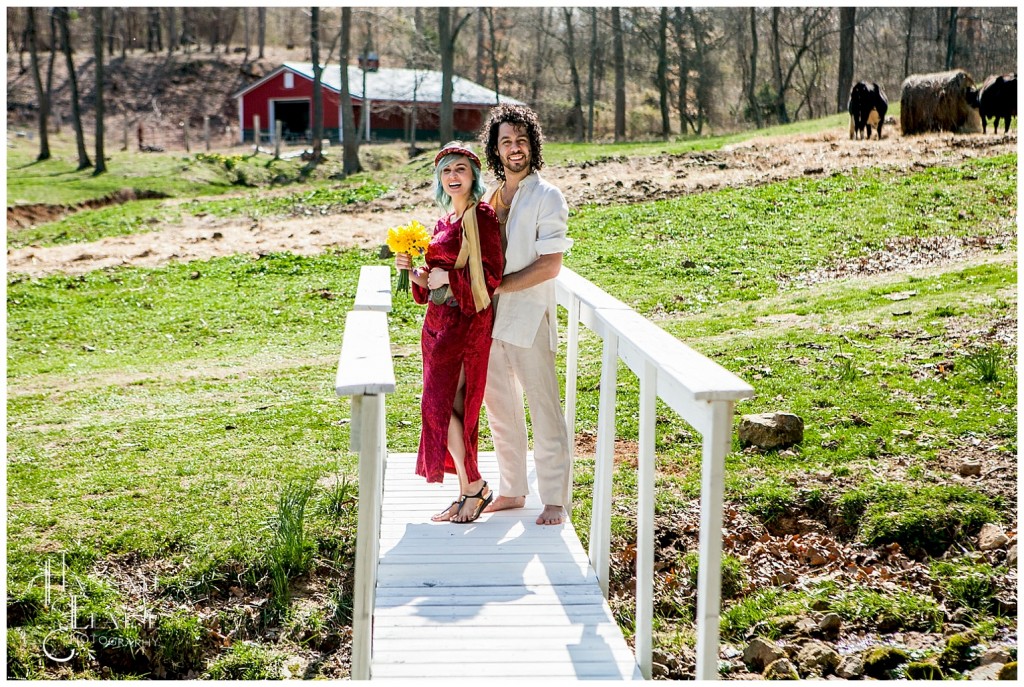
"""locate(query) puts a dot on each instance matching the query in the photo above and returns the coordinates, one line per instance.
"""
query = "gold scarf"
(470, 251)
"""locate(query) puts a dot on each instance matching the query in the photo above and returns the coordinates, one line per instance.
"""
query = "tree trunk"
(666, 125)
(261, 29)
(350, 137)
(494, 54)
(755, 106)
(76, 112)
(448, 26)
(172, 30)
(591, 96)
(318, 98)
(574, 73)
(780, 87)
(539, 55)
(480, 43)
(49, 66)
(909, 42)
(847, 30)
(684, 69)
(954, 14)
(620, 76)
(248, 32)
(44, 106)
(703, 78)
(154, 41)
(97, 47)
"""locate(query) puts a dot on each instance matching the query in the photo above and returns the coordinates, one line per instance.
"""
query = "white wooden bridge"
(504, 597)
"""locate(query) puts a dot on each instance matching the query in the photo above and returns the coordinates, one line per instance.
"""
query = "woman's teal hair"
(442, 198)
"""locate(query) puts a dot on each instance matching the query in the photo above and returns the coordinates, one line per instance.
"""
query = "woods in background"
(602, 73)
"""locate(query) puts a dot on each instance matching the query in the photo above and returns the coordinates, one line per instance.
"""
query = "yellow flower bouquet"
(411, 239)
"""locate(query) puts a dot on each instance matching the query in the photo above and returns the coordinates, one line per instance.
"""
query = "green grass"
(162, 413)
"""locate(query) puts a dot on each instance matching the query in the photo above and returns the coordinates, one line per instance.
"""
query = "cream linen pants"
(511, 372)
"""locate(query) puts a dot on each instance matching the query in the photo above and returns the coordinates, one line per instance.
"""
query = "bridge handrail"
(703, 393)
(366, 373)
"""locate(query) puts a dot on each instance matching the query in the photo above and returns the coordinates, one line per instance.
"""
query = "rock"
(1011, 556)
(988, 672)
(817, 658)
(762, 652)
(960, 650)
(1008, 672)
(830, 624)
(880, 660)
(771, 430)
(995, 654)
(991, 537)
(970, 468)
(781, 669)
(851, 667)
(921, 670)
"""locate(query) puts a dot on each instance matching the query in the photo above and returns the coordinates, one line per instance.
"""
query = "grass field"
(180, 421)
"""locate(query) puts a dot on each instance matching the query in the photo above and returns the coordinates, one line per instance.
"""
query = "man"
(533, 216)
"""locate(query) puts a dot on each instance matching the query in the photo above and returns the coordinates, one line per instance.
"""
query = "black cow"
(998, 98)
(867, 108)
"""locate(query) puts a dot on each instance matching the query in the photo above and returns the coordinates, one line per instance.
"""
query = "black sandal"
(479, 509)
(437, 518)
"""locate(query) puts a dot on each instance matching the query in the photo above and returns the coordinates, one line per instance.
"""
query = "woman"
(464, 265)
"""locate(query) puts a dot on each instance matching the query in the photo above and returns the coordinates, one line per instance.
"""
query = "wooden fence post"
(206, 131)
(278, 126)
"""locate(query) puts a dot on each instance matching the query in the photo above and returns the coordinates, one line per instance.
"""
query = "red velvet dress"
(456, 337)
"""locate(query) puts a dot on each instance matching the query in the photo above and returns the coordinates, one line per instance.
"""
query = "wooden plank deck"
(501, 597)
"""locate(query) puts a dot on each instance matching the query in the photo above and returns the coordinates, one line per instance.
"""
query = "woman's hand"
(403, 261)
(437, 278)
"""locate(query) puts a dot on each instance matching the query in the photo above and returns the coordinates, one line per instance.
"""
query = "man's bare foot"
(505, 503)
(551, 515)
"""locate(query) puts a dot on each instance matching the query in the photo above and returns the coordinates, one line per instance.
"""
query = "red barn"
(396, 100)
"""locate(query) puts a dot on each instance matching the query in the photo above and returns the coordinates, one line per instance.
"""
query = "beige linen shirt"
(537, 225)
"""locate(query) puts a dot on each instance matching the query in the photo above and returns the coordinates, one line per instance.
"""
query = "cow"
(867, 108)
(998, 98)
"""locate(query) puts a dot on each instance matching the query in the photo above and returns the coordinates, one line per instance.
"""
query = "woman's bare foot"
(505, 503)
(551, 515)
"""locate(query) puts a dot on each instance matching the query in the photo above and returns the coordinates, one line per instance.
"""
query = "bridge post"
(717, 442)
(372, 447)
(645, 519)
(572, 349)
(601, 514)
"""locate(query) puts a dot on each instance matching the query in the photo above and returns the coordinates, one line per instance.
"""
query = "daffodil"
(411, 239)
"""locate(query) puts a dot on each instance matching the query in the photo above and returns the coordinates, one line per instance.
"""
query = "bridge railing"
(702, 392)
(365, 373)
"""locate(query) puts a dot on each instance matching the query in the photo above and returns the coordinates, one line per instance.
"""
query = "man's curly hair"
(518, 116)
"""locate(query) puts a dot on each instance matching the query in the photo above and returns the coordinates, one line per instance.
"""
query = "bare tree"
(620, 76)
(449, 24)
(480, 43)
(780, 88)
(954, 14)
(49, 67)
(847, 31)
(154, 38)
(574, 75)
(755, 106)
(97, 47)
(702, 67)
(318, 98)
(662, 79)
(350, 137)
(171, 16)
(489, 11)
(541, 51)
(44, 105)
(63, 19)
(261, 29)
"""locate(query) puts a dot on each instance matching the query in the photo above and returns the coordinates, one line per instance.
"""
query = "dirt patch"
(21, 216)
(611, 181)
